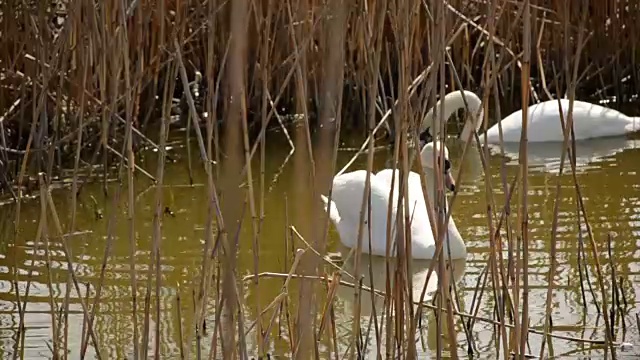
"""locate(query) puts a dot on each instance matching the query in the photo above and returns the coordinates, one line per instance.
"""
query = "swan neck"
(431, 185)
(474, 123)
(453, 241)
(451, 103)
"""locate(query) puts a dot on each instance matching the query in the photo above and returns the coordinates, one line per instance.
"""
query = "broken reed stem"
(568, 130)
(523, 213)
(264, 76)
(65, 340)
(65, 247)
(255, 226)
(284, 292)
(495, 240)
(614, 288)
(440, 200)
(107, 252)
(355, 342)
(132, 237)
(179, 320)
(306, 165)
(20, 343)
(52, 302)
(373, 36)
(572, 79)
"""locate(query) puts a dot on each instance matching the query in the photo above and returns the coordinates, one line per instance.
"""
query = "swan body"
(589, 120)
(344, 210)
(422, 239)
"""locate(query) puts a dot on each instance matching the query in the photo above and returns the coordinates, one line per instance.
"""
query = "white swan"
(589, 120)
(347, 199)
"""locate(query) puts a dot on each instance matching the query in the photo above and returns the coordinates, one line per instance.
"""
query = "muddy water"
(609, 182)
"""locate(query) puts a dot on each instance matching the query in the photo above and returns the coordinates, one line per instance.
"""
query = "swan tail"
(334, 215)
(634, 126)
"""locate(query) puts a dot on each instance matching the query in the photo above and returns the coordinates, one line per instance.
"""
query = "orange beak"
(449, 182)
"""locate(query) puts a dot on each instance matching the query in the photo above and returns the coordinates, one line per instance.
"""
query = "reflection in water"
(377, 266)
(546, 156)
(612, 200)
(373, 272)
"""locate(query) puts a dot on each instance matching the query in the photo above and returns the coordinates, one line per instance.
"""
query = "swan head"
(435, 150)
(447, 106)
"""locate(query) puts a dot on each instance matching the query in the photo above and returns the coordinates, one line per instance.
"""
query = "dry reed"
(97, 88)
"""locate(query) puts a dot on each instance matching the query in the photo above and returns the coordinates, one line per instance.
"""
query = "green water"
(609, 180)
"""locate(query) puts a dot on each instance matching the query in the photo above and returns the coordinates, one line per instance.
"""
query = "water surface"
(607, 175)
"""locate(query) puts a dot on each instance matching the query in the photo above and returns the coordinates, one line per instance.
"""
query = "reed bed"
(89, 87)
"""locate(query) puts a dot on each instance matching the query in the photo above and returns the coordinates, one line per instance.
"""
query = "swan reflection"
(373, 271)
(546, 156)
(377, 266)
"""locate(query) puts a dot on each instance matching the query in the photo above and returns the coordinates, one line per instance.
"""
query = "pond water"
(607, 173)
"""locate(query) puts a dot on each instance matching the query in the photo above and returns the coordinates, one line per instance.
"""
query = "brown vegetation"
(89, 83)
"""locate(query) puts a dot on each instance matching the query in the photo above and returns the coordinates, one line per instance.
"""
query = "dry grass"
(89, 85)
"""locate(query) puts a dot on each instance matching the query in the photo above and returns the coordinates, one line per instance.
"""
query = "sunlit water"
(608, 178)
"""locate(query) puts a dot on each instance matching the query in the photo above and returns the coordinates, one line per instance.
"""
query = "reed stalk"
(523, 213)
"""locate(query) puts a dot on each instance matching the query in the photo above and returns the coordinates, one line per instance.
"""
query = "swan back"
(427, 152)
(589, 121)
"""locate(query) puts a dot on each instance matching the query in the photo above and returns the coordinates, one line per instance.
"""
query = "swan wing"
(422, 239)
(386, 177)
(348, 189)
(414, 186)
(417, 207)
(334, 214)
